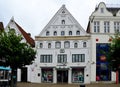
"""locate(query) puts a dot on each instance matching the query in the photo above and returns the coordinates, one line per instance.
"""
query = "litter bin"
(82, 85)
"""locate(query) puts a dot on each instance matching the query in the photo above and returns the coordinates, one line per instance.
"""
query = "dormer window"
(63, 22)
(47, 33)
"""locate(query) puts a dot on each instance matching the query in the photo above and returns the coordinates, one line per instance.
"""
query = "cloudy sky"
(33, 15)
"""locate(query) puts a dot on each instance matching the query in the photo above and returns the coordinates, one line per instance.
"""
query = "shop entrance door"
(62, 76)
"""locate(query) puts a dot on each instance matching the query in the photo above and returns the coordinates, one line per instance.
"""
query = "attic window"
(63, 22)
(102, 10)
(78, 32)
(47, 33)
(63, 11)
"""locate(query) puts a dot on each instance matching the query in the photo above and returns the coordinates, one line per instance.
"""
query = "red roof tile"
(26, 36)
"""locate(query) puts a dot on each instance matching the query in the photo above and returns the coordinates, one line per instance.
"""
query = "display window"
(47, 75)
(77, 75)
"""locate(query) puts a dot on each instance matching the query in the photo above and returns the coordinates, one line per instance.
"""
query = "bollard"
(82, 85)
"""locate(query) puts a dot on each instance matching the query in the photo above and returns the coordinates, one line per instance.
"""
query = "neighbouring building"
(23, 74)
(103, 23)
(63, 51)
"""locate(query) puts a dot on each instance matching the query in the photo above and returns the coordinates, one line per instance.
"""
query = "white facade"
(103, 23)
(63, 51)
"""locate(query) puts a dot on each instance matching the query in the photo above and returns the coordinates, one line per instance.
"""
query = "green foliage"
(114, 53)
(14, 51)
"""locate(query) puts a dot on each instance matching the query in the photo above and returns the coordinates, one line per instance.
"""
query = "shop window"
(78, 75)
(47, 75)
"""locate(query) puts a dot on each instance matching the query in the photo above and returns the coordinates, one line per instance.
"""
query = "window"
(66, 44)
(47, 33)
(55, 33)
(78, 32)
(84, 44)
(62, 21)
(62, 33)
(78, 57)
(70, 32)
(63, 11)
(96, 26)
(75, 45)
(106, 27)
(46, 58)
(58, 44)
(102, 10)
(49, 45)
(117, 26)
(62, 58)
(41, 45)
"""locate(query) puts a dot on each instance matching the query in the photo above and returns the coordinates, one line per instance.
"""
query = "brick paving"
(66, 85)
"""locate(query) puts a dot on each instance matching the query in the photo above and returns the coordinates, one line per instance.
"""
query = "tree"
(15, 53)
(114, 53)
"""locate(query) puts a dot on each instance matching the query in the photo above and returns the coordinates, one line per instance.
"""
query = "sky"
(34, 15)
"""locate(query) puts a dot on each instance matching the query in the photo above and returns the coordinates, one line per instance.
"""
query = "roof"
(1, 26)
(113, 10)
(88, 27)
(26, 36)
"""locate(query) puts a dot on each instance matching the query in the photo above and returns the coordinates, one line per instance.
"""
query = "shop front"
(78, 75)
(62, 76)
(47, 75)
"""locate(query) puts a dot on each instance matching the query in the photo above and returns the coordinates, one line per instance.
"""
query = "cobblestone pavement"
(66, 85)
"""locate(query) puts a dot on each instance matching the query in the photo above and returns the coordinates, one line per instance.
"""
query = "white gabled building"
(22, 74)
(103, 23)
(63, 51)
